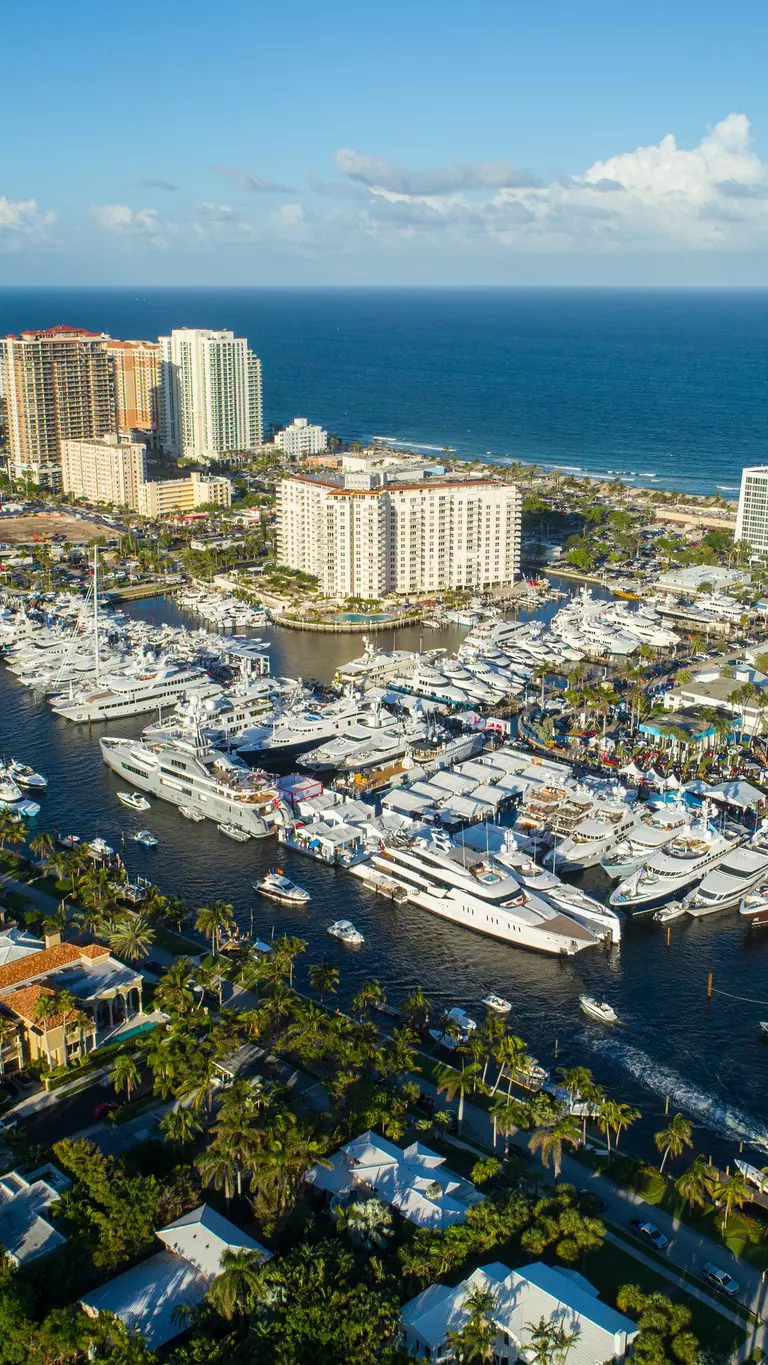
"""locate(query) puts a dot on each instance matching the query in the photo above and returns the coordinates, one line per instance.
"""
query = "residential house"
(25, 1231)
(107, 995)
(415, 1181)
(521, 1298)
(147, 1297)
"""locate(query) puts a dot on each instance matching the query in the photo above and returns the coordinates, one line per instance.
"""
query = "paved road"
(688, 1249)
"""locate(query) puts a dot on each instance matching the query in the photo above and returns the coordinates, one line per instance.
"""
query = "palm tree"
(125, 1074)
(43, 847)
(507, 1116)
(731, 1193)
(244, 1280)
(174, 994)
(613, 1117)
(9, 1031)
(549, 1342)
(674, 1139)
(214, 921)
(549, 1141)
(453, 1083)
(511, 1055)
(324, 978)
(132, 937)
(696, 1184)
(44, 1010)
(180, 1126)
(11, 831)
(218, 1166)
(371, 995)
(416, 1010)
(474, 1343)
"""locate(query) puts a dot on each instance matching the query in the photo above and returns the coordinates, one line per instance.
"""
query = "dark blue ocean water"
(667, 387)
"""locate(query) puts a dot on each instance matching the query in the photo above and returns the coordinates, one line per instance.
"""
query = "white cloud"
(656, 197)
(22, 224)
(379, 174)
(125, 221)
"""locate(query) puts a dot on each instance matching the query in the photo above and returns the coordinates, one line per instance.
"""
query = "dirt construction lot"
(24, 530)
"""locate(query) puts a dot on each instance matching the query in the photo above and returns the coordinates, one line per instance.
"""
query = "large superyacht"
(654, 831)
(183, 769)
(685, 861)
(138, 689)
(481, 897)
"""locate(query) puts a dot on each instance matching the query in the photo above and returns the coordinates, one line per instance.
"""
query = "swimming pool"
(363, 616)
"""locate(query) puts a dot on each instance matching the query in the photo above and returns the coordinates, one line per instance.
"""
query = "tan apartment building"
(183, 495)
(112, 469)
(59, 384)
(429, 536)
(137, 380)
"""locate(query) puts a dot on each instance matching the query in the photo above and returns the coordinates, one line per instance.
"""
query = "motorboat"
(345, 930)
(725, 886)
(10, 792)
(495, 1002)
(240, 836)
(99, 849)
(24, 776)
(190, 814)
(139, 688)
(134, 800)
(458, 1026)
(672, 910)
(70, 841)
(764, 1027)
(754, 906)
(278, 887)
(145, 837)
(607, 823)
(682, 864)
(598, 1009)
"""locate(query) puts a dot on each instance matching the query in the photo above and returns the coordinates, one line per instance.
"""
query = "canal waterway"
(706, 1055)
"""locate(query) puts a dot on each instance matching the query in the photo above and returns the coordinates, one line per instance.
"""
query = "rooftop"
(25, 1232)
(48, 960)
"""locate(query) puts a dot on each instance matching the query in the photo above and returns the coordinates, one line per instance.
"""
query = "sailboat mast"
(96, 608)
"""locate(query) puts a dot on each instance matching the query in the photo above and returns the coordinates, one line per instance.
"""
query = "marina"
(657, 990)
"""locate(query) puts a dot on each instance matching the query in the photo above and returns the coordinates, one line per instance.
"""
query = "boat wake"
(718, 1116)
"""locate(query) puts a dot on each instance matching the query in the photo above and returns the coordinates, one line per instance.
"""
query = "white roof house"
(146, 1297)
(25, 1232)
(415, 1181)
(522, 1297)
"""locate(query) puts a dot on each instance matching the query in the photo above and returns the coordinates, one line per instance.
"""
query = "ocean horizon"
(664, 388)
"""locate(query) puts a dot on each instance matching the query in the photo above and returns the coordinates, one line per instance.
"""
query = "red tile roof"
(48, 960)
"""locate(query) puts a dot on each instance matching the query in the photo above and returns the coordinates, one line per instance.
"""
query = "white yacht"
(684, 862)
(186, 771)
(134, 692)
(345, 930)
(10, 791)
(25, 776)
(134, 800)
(654, 831)
(277, 887)
(598, 1009)
(754, 906)
(607, 822)
(601, 919)
(302, 726)
(223, 716)
(481, 897)
(371, 742)
(728, 883)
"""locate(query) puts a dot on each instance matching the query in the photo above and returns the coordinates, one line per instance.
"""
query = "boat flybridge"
(654, 831)
(685, 861)
(481, 896)
(607, 822)
(575, 902)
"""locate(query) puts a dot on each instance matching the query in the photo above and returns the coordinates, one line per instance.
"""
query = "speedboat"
(25, 776)
(68, 840)
(673, 910)
(764, 1027)
(456, 1030)
(146, 837)
(133, 799)
(190, 814)
(492, 1001)
(240, 836)
(346, 931)
(10, 792)
(99, 849)
(598, 1009)
(278, 887)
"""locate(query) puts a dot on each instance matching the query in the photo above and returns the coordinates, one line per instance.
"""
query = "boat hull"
(210, 805)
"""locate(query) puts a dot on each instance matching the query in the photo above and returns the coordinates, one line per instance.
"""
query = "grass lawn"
(177, 943)
(611, 1267)
(740, 1235)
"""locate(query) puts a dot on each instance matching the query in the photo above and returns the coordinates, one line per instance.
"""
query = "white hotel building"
(752, 516)
(402, 538)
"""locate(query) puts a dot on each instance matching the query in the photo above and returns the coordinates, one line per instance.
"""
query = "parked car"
(720, 1279)
(103, 1110)
(652, 1234)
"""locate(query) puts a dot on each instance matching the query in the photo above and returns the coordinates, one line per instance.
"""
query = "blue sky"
(428, 142)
